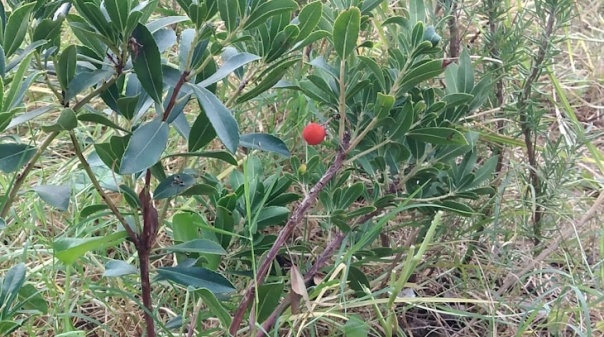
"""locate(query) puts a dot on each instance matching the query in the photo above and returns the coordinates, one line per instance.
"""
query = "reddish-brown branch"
(296, 217)
(175, 92)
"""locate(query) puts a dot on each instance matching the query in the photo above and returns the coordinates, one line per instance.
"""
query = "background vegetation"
(153, 175)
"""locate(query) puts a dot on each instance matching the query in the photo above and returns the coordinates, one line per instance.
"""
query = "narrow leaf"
(221, 118)
(196, 277)
(146, 61)
(438, 135)
(264, 142)
(233, 63)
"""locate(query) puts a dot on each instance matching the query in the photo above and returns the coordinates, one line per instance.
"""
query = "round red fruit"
(313, 133)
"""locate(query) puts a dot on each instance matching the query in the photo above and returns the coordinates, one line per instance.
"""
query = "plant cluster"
(158, 105)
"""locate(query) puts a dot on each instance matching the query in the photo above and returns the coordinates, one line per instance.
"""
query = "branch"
(286, 231)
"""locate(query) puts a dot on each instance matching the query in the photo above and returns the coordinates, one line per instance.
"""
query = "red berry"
(313, 133)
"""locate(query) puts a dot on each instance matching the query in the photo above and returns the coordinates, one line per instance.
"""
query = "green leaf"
(350, 195)
(269, 78)
(269, 297)
(68, 250)
(200, 189)
(438, 136)
(145, 147)
(118, 268)
(14, 156)
(100, 119)
(165, 21)
(12, 282)
(221, 155)
(419, 74)
(228, 13)
(118, 11)
(269, 8)
(264, 142)
(85, 80)
(185, 226)
(173, 185)
(346, 31)
(16, 28)
(91, 209)
(465, 73)
(375, 69)
(383, 105)
(314, 36)
(226, 223)
(111, 153)
(66, 66)
(201, 246)
(282, 42)
(146, 62)
(215, 307)
(127, 106)
(457, 207)
(91, 11)
(56, 196)
(233, 63)
(196, 277)
(9, 326)
(271, 216)
(309, 17)
(202, 132)
(48, 31)
(11, 99)
(357, 280)
(356, 327)
(67, 121)
(221, 118)
(417, 11)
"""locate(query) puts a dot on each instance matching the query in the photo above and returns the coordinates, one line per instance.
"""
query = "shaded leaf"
(202, 246)
(85, 80)
(145, 147)
(14, 156)
(173, 185)
(215, 307)
(56, 196)
(269, 296)
(146, 61)
(200, 189)
(264, 142)
(233, 63)
(221, 155)
(201, 133)
(269, 78)
(221, 118)
(196, 277)
(100, 119)
(438, 135)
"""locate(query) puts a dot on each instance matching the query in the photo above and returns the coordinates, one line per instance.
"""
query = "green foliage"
(189, 124)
